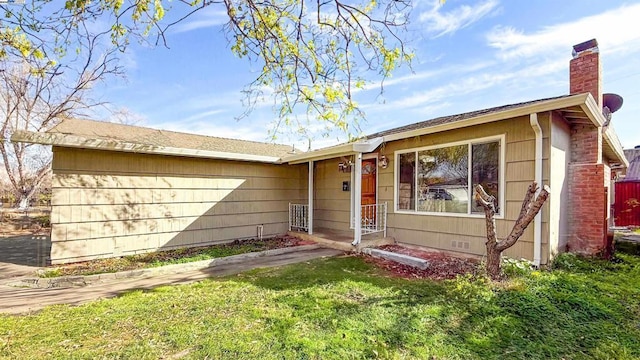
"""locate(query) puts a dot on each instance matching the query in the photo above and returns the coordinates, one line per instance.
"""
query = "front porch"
(370, 231)
(342, 197)
(342, 240)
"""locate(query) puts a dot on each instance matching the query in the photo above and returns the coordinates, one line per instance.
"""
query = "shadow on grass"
(345, 308)
(351, 304)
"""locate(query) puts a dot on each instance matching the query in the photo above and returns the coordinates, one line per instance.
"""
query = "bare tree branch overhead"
(313, 55)
(46, 74)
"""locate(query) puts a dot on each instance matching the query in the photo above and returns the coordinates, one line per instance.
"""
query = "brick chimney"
(585, 71)
(588, 177)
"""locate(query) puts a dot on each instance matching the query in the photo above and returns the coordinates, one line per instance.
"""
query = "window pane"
(443, 179)
(407, 176)
(486, 160)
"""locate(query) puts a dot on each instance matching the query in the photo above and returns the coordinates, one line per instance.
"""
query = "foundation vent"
(460, 244)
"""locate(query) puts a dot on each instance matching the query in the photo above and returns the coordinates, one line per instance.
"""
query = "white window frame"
(501, 178)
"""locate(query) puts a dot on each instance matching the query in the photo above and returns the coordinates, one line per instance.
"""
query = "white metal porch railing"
(298, 217)
(373, 219)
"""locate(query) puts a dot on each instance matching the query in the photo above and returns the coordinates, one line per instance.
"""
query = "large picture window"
(441, 180)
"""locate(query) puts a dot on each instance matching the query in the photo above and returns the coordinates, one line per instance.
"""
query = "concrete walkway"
(10, 271)
(24, 300)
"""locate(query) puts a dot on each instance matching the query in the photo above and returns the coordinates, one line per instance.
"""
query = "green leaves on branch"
(316, 56)
(15, 39)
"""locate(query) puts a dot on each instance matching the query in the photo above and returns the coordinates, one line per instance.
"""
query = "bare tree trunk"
(495, 247)
(494, 256)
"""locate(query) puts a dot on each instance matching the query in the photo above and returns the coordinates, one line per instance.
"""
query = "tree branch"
(533, 207)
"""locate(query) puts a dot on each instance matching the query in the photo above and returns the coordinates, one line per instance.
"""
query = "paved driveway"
(25, 249)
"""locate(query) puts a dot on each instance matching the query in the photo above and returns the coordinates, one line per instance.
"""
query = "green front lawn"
(345, 308)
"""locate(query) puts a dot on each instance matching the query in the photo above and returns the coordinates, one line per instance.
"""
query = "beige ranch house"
(121, 189)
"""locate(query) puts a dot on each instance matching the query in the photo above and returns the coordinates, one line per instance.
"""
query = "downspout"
(537, 225)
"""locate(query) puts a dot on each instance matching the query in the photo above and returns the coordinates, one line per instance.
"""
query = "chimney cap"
(587, 45)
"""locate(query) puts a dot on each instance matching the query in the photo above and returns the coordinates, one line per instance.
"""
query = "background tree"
(40, 84)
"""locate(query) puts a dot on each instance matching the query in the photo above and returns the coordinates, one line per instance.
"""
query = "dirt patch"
(441, 266)
(18, 223)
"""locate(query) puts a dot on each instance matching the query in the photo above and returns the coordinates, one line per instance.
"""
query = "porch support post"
(310, 202)
(357, 207)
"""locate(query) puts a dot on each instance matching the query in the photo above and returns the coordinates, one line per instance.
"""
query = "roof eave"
(74, 141)
(362, 146)
(612, 148)
(549, 105)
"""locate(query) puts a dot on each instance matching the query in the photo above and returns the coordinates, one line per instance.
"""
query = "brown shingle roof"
(147, 136)
(633, 171)
(459, 117)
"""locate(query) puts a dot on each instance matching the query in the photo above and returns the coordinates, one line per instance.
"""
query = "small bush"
(515, 267)
(43, 220)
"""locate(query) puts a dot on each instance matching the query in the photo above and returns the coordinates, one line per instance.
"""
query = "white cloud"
(204, 114)
(459, 86)
(441, 23)
(117, 114)
(448, 70)
(210, 16)
(213, 100)
(613, 29)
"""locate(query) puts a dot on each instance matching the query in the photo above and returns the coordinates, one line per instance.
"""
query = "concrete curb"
(80, 281)
(399, 258)
(628, 244)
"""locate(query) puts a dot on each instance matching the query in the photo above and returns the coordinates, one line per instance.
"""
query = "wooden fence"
(626, 208)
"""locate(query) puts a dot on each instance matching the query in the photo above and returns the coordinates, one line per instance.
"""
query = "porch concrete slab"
(339, 241)
(24, 300)
(399, 258)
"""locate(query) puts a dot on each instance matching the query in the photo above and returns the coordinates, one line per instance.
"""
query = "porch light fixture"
(344, 167)
(383, 162)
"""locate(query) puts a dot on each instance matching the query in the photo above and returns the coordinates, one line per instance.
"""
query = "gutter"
(550, 105)
(366, 146)
(537, 225)
(361, 146)
(74, 141)
(610, 139)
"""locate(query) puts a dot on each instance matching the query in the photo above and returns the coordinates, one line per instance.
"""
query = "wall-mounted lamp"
(383, 162)
(344, 167)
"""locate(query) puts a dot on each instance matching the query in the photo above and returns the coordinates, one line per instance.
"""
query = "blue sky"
(470, 55)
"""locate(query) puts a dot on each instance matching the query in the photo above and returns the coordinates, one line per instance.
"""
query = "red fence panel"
(626, 208)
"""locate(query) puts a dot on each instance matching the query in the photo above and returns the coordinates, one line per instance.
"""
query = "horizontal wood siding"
(108, 204)
(467, 234)
(331, 204)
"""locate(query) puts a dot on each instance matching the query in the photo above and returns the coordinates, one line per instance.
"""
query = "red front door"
(369, 187)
